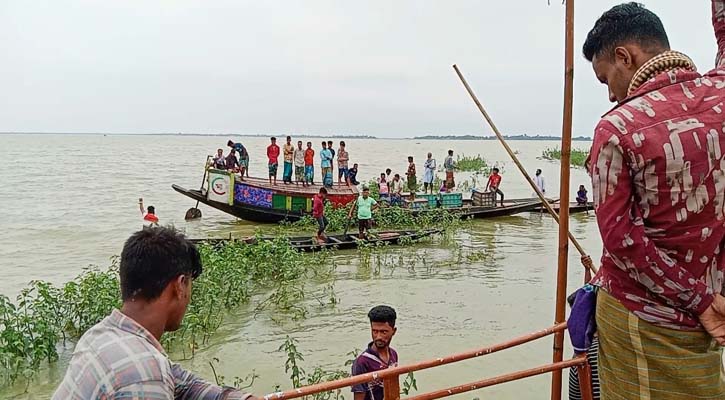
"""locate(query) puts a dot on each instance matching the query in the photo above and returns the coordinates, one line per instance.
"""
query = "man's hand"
(713, 319)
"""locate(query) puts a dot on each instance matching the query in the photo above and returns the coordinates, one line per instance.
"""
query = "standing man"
(289, 152)
(429, 171)
(365, 206)
(309, 164)
(412, 179)
(450, 165)
(243, 157)
(332, 151)
(326, 165)
(539, 181)
(342, 159)
(657, 176)
(273, 160)
(121, 357)
(149, 214)
(494, 183)
(299, 157)
(318, 213)
(378, 355)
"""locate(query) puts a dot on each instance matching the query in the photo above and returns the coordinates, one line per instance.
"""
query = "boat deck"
(296, 188)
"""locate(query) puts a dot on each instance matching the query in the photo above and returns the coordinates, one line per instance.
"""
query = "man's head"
(382, 175)
(388, 171)
(538, 172)
(396, 177)
(151, 210)
(410, 158)
(354, 166)
(273, 140)
(342, 144)
(323, 192)
(309, 145)
(219, 152)
(299, 144)
(495, 170)
(289, 139)
(382, 325)
(329, 143)
(230, 143)
(623, 38)
(157, 267)
(430, 155)
(450, 152)
(365, 192)
(324, 145)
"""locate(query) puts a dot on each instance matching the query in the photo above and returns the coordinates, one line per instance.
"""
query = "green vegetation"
(578, 157)
(44, 315)
(475, 164)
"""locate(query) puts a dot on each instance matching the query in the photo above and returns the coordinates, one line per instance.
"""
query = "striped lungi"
(638, 360)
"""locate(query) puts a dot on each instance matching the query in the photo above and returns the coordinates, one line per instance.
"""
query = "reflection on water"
(82, 209)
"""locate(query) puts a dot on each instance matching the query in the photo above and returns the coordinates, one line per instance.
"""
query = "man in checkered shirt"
(121, 357)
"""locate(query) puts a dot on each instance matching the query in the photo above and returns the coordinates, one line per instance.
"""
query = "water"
(75, 206)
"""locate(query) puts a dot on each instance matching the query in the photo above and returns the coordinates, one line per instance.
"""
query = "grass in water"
(578, 157)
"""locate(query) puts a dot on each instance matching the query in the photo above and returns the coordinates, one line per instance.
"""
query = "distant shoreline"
(337, 136)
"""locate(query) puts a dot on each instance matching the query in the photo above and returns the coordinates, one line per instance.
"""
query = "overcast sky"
(366, 67)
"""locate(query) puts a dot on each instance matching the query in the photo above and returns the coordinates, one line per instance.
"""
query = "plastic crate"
(279, 201)
(483, 199)
(450, 200)
(431, 198)
(416, 204)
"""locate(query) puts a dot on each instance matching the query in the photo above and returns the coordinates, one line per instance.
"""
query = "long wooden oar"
(586, 260)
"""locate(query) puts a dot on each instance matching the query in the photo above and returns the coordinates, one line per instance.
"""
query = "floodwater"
(71, 200)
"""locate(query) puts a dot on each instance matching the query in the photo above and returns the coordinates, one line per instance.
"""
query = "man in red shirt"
(658, 177)
(494, 181)
(273, 157)
(318, 213)
(309, 164)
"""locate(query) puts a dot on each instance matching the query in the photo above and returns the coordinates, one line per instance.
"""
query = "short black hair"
(342, 142)
(628, 22)
(494, 169)
(289, 137)
(153, 257)
(151, 209)
(323, 190)
(274, 138)
(383, 314)
(410, 158)
(230, 143)
(329, 142)
(388, 170)
(450, 152)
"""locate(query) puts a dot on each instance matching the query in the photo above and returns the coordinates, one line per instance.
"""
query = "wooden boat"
(254, 199)
(574, 207)
(340, 242)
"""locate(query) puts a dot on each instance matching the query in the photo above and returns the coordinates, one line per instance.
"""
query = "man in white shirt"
(539, 181)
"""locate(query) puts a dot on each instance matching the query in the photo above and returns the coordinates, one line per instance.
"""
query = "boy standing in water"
(378, 355)
(494, 182)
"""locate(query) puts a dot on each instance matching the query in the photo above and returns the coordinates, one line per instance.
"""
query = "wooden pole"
(561, 273)
(545, 202)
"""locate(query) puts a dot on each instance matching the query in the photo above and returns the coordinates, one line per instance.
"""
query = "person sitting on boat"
(219, 161)
(383, 188)
(352, 175)
(121, 357)
(318, 213)
(148, 214)
(326, 165)
(299, 160)
(365, 206)
(232, 164)
(581, 196)
(396, 191)
(379, 355)
(310, 164)
(494, 183)
(412, 179)
(289, 151)
(429, 171)
(273, 160)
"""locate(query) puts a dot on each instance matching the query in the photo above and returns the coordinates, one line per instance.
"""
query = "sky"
(372, 67)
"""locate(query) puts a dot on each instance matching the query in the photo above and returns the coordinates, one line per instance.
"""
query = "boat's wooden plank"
(334, 239)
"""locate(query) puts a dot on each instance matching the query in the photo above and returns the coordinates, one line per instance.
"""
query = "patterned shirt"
(370, 361)
(120, 359)
(658, 175)
(289, 151)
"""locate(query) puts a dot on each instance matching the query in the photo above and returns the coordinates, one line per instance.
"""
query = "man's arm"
(718, 22)
(140, 206)
(623, 235)
(189, 387)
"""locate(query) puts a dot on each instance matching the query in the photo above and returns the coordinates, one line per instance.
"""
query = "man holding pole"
(657, 174)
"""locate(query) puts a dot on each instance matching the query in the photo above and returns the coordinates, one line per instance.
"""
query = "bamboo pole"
(561, 273)
(404, 369)
(586, 260)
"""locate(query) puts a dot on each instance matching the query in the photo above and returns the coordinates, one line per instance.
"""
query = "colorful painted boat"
(254, 199)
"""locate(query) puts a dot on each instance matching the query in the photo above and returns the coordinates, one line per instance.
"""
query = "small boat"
(574, 207)
(338, 242)
(511, 207)
(254, 199)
